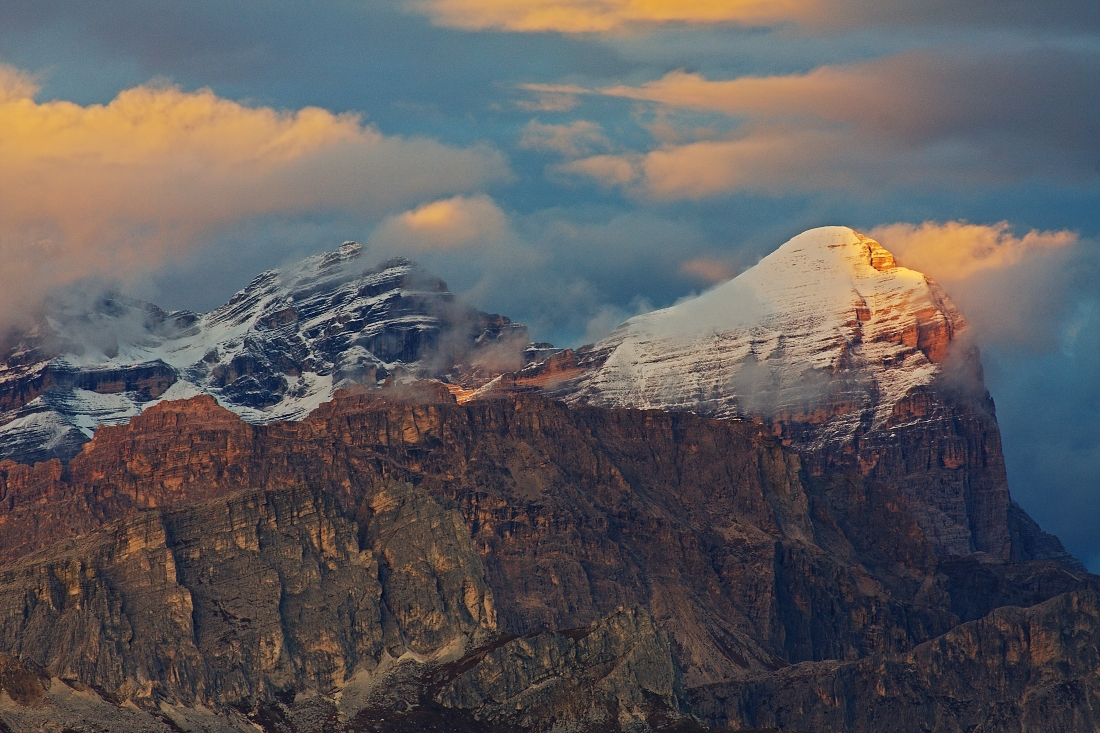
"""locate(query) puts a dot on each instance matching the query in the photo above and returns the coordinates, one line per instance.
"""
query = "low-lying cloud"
(441, 225)
(115, 189)
(709, 270)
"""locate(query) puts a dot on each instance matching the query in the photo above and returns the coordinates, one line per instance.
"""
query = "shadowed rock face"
(1016, 670)
(241, 603)
(241, 598)
(575, 511)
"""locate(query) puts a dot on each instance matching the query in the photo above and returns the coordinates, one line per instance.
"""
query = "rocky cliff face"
(274, 351)
(576, 511)
(244, 597)
(807, 527)
(399, 561)
(271, 607)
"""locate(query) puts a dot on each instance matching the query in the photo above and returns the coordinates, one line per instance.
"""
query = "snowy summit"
(827, 329)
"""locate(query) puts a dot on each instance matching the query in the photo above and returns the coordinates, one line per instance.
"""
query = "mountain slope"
(827, 330)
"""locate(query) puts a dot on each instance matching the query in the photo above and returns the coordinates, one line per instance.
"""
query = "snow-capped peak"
(827, 330)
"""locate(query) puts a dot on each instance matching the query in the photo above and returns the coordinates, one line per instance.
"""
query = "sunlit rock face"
(275, 351)
(858, 363)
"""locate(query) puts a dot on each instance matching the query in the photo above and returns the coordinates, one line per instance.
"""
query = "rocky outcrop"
(255, 600)
(750, 562)
(576, 511)
(1014, 671)
(616, 674)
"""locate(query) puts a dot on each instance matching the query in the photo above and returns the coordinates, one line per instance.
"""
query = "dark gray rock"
(1017, 670)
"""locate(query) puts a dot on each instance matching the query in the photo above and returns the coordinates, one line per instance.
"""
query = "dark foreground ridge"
(400, 562)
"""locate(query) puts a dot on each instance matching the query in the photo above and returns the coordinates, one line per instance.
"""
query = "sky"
(570, 163)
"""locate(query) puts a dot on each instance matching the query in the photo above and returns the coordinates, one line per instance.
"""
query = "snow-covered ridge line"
(275, 351)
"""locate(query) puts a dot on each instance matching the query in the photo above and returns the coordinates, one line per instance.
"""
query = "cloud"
(447, 224)
(608, 170)
(564, 272)
(921, 118)
(594, 16)
(573, 140)
(550, 97)
(16, 84)
(115, 189)
(955, 250)
(710, 270)
(602, 16)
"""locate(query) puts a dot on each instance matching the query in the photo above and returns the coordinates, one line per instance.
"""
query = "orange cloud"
(595, 16)
(609, 170)
(763, 159)
(616, 16)
(446, 224)
(1013, 289)
(956, 250)
(708, 269)
(113, 189)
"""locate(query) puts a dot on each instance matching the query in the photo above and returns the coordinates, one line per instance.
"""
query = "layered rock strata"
(244, 603)
(576, 511)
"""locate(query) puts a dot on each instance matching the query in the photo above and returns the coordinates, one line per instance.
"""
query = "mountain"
(856, 362)
(275, 351)
(779, 505)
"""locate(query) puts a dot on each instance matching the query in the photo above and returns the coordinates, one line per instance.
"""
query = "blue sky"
(572, 162)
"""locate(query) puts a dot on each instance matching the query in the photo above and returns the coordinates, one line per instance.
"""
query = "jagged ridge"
(275, 351)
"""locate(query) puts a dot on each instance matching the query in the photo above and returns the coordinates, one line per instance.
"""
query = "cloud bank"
(920, 118)
(448, 224)
(115, 189)
(603, 16)
(956, 250)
